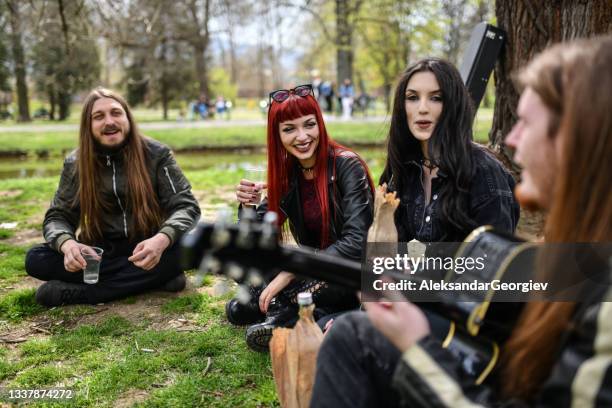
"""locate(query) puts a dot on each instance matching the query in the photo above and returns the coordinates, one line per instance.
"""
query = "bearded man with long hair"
(119, 191)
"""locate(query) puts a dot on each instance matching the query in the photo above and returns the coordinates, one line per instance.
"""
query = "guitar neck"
(322, 266)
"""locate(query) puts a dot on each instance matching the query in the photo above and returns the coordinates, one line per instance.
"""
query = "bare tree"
(346, 12)
(235, 13)
(198, 36)
(19, 63)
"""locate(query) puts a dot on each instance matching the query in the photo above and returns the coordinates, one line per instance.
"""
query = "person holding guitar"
(324, 191)
(559, 353)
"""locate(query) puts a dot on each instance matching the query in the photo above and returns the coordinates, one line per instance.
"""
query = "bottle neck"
(306, 311)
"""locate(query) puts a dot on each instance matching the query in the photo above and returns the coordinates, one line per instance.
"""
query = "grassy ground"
(234, 136)
(157, 349)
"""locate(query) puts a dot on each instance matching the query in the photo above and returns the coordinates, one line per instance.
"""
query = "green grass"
(103, 359)
(19, 304)
(12, 267)
(235, 136)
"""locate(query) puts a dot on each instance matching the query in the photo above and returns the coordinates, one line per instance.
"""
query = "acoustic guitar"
(250, 253)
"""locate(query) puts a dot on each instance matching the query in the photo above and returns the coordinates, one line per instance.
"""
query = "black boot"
(241, 314)
(280, 314)
(57, 293)
(175, 284)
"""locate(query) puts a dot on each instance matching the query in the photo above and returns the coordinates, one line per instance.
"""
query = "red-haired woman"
(324, 191)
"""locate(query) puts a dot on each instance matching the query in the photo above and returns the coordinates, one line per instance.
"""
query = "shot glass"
(256, 175)
(93, 257)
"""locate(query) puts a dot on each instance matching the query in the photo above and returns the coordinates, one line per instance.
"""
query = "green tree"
(384, 30)
(65, 55)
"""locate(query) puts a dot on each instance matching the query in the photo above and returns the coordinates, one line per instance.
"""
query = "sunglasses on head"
(281, 95)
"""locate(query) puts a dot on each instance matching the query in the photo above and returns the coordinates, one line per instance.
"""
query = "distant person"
(363, 101)
(347, 95)
(126, 195)
(202, 107)
(326, 91)
(316, 86)
(220, 107)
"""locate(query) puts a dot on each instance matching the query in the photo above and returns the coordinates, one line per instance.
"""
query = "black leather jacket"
(180, 208)
(428, 375)
(352, 206)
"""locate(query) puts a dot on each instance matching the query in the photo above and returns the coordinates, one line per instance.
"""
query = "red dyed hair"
(282, 165)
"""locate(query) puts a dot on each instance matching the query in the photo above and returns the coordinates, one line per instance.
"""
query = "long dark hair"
(450, 146)
(141, 200)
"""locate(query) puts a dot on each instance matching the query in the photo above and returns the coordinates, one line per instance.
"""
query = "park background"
(165, 349)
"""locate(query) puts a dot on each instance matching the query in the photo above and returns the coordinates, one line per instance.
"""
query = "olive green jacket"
(179, 206)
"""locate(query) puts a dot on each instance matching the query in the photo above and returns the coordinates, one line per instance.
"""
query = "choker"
(429, 164)
(306, 169)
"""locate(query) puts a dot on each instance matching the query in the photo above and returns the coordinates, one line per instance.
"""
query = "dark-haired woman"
(560, 353)
(447, 184)
(324, 191)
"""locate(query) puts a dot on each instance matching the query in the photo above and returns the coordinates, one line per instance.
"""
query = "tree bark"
(23, 100)
(199, 43)
(344, 42)
(531, 26)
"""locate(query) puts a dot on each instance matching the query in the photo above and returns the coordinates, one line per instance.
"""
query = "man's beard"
(99, 147)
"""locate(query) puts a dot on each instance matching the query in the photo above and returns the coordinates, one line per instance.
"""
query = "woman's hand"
(402, 322)
(249, 193)
(278, 283)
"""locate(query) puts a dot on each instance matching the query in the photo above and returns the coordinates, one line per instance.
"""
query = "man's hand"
(73, 260)
(278, 283)
(147, 253)
(402, 322)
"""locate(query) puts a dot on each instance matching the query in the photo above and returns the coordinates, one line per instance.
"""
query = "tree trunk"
(200, 45)
(454, 11)
(531, 26)
(51, 96)
(164, 91)
(23, 100)
(201, 68)
(344, 46)
(64, 99)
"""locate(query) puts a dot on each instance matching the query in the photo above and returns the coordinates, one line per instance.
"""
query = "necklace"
(429, 164)
(306, 169)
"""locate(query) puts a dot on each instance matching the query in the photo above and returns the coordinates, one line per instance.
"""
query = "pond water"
(230, 162)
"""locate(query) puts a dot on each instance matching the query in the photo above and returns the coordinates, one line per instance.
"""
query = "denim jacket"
(491, 203)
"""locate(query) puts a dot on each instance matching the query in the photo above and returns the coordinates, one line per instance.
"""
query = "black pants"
(355, 366)
(119, 277)
(356, 363)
